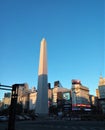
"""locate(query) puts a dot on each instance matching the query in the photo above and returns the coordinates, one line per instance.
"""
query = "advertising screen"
(66, 96)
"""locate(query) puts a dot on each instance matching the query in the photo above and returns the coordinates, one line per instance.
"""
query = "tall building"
(32, 99)
(23, 96)
(97, 93)
(93, 100)
(49, 91)
(59, 92)
(42, 95)
(6, 100)
(80, 96)
(101, 89)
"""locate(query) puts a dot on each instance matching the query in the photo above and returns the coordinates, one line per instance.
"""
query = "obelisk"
(42, 95)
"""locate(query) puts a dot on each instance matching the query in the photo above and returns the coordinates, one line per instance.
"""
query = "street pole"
(11, 122)
(12, 111)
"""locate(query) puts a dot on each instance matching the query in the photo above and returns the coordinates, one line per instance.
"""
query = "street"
(56, 125)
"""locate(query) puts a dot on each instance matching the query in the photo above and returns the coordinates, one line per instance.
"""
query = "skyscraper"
(42, 96)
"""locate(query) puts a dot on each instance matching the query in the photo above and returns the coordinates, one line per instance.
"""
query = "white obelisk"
(42, 95)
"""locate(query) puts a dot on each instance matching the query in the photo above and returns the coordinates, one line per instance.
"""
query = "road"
(56, 125)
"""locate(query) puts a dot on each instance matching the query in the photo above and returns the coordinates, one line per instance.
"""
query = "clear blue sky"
(75, 35)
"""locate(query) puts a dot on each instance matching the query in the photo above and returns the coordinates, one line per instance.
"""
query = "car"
(19, 117)
(27, 117)
(3, 118)
(32, 116)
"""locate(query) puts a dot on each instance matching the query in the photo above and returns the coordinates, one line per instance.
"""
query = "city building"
(23, 96)
(6, 100)
(32, 99)
(93, 100)
(58, 92)
(80, 96)
(50, 95)
(49, 91)
(1, 105)
(101, 89)
(97, 93)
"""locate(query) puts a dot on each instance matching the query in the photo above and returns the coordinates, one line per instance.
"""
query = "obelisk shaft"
(42, 96)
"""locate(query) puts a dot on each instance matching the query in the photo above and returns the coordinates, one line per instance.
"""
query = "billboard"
(66, 96)
(81, 105)
(67, 103)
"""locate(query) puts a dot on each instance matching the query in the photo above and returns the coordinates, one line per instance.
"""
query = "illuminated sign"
(81, 105)
(66, 96)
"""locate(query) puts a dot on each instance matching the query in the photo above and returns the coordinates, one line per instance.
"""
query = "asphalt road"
(56, 125)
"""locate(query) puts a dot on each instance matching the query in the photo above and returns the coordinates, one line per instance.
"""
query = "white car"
(19, 117)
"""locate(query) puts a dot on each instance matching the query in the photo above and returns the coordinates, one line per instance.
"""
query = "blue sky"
(75, 35)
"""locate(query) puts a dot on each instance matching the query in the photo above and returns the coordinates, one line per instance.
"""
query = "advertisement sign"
(66, 96)
(67, 103)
